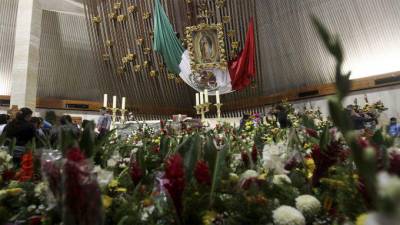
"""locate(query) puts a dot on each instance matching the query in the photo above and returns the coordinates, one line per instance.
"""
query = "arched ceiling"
(289, 54)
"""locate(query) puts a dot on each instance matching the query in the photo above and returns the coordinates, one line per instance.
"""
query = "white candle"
(197, 99)
(114, 102)
(123, 102)
(105, 100)
(206, 96)
(201, 97)
(217, 95)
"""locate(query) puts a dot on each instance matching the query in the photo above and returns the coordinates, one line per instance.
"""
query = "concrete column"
(26, 54)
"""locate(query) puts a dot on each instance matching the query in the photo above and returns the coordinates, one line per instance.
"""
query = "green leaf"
(325, 139)
(123, 220)
(210, 153)
(87, 142)
(191, 156)
(164, 146)
(217, 173)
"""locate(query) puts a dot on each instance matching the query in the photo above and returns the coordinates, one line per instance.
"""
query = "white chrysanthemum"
(287, 215)
(248, 174)
(308, 204)
(388, 186)
(281, 179)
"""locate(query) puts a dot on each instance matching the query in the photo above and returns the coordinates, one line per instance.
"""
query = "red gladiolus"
(82, 193)
(35, 220)
(325, 159)
(136, 172)
(245, 158)
(8, 175)
(254, 154)
(394, 166)
(26, 172)
(53, 175)
(202, 173)
(175, 176)
(311, 132)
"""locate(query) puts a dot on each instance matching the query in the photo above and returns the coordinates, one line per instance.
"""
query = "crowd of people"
(25, 129)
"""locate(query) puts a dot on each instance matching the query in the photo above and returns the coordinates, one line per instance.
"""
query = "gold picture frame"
(206, 46)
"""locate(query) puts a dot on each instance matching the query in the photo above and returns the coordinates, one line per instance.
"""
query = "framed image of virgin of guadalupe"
(206, 46)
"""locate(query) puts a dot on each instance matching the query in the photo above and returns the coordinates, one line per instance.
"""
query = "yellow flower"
(147, 202)
(122, 190)
(310, 164)
(262, 176)
(361, 219)
(113, 184)
(209, 217)
(14, 191)
(107, 201)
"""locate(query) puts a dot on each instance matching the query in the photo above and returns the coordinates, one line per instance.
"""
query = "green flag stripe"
(165, 40)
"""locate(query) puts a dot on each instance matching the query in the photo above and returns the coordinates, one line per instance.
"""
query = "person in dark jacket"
(23, 131)
(281, 115)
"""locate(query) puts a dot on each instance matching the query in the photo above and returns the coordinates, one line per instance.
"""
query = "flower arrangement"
(315, 172)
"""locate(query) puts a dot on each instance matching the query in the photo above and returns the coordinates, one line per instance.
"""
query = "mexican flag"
(237, 76)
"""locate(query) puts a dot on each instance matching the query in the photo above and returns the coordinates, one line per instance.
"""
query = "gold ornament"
(188, 1)
(146, 64)
(137, 68)
(131, 57)
(226, 19)
(121, 70)
(231, 33)
(125, 60)
(178, 80)
(96, 19)
(220, 3)
(109, 43)
(235, 45)
(117, 5)
(153, 73)
(171, 76)
(147, 51)
(139, 41)
(112, 15)
(146, 15)
(121, 18)
(106, 57)
(132, 9)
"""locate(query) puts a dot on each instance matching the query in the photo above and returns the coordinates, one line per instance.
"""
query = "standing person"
(282, 117)
(104, 122)
(3, 122)
(23, 131)
(393, 128)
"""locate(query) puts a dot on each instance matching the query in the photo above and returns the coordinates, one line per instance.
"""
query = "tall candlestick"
(114, 105)
(123, 102)
(206, 96)
(201, 98)
(217, 95)
(197, 99)
(105, 100)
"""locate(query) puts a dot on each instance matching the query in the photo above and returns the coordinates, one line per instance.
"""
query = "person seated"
(393, 128)
(22, 130)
